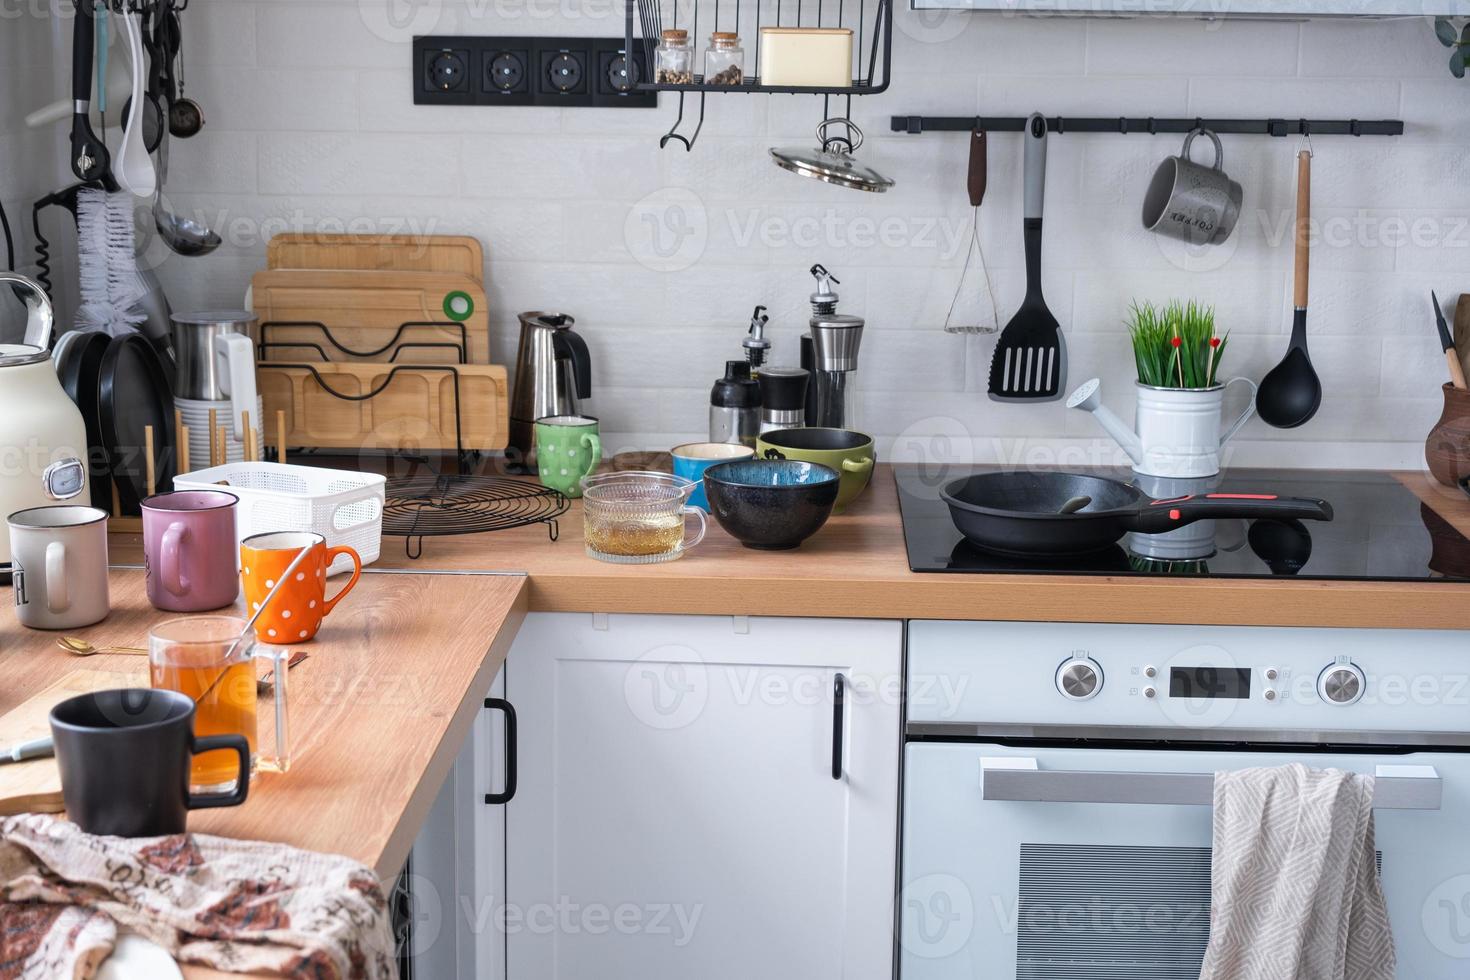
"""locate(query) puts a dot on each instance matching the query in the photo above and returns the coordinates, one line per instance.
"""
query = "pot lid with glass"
(831, 160)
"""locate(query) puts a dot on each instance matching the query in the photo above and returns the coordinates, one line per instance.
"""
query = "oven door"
(1027, 886)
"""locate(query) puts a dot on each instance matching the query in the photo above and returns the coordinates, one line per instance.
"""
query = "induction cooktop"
(1381, 531)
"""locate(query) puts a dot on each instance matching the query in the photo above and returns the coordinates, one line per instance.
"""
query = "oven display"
(1210, 683)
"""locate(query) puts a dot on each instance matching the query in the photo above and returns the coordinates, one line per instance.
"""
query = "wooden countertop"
(856, 566)
(378, 712)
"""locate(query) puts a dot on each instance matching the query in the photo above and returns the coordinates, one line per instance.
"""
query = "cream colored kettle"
(43, 440)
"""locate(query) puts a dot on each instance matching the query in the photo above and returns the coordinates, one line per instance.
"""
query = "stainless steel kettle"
(553, 377)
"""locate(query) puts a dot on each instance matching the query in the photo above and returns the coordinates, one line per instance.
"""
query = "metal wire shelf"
(871, 23)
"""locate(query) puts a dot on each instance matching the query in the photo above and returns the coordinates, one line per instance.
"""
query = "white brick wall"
(310, 121)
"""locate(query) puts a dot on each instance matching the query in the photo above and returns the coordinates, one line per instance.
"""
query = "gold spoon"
(80, 647)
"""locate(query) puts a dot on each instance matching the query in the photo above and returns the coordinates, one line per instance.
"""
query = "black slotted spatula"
(1030, 359)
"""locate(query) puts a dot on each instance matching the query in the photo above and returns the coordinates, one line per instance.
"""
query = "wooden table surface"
(377, 712)
(856, 566)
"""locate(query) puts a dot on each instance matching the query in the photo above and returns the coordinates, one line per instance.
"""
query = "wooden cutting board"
(384, 253)
(363, 310)
(413, 410)
(1462, 331)
(34, 786)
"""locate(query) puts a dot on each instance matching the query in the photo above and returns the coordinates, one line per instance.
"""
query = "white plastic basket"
(344, 507)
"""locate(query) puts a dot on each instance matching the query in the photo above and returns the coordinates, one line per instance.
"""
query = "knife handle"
(1457, 372)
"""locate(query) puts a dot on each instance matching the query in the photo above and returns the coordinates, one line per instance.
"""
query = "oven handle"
(1021, 780)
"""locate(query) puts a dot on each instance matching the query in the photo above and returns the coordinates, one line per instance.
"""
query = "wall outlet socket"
(563, 71)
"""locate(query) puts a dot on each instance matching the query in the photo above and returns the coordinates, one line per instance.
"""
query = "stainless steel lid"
(14, 355)
(835, 341)
(831, 160)
(211, 318)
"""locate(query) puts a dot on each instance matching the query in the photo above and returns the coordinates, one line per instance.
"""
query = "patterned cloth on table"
(238, 906)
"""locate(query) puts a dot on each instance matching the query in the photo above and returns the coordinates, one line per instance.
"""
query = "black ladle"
(1291, 393)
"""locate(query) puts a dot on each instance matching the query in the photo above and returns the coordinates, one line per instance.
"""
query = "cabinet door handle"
(839, 701)
(505, 795)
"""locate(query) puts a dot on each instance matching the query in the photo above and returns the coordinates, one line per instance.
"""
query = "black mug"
(124, 758)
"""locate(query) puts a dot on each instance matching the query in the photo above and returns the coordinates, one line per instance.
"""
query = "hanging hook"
(1306, 128)
(673, 135)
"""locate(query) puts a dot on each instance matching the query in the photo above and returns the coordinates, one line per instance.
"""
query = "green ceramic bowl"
(849, 453)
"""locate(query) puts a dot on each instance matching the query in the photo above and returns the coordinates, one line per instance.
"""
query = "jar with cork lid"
(673, 59)
(724, 59)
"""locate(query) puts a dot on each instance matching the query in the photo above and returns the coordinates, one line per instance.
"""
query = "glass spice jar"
(724, 59)
(673, 59)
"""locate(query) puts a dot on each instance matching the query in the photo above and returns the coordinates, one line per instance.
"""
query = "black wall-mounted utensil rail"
(1060, 125)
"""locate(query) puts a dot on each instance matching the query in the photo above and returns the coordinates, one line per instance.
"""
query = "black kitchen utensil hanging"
(419, 507)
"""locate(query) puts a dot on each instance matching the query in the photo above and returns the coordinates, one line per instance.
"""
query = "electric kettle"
(42, 434)
(553, 377)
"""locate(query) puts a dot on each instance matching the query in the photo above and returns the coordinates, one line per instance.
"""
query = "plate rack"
(871, 23)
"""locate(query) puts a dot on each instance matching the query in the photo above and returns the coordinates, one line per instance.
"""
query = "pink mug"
(189, 549)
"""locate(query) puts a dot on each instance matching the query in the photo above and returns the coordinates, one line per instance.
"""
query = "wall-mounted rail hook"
(673, 133)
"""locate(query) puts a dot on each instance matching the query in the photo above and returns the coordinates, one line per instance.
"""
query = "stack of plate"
(195, 414)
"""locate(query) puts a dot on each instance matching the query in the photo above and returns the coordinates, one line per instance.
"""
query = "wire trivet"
(418, 507)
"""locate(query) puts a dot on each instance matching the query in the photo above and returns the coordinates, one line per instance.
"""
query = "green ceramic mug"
(849, 453)
(567, 449)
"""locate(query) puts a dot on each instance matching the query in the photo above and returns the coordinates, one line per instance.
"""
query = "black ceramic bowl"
(771, 503)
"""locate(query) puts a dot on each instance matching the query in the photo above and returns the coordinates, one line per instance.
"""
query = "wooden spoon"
(81, 648)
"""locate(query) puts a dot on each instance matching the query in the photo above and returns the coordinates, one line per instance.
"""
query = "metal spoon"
(81, 648)
(184, 236)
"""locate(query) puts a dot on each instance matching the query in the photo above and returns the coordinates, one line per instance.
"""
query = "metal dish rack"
(871, 23)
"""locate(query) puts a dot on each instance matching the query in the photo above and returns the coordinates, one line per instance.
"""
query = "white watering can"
(1178, 429)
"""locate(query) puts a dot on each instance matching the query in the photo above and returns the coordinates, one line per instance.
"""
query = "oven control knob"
(1341, 684)
(1079, 679)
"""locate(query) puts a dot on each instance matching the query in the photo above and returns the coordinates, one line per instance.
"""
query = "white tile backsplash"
(661, 254)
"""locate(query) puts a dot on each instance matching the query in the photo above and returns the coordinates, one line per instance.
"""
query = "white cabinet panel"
(458, 862)
(677, 814)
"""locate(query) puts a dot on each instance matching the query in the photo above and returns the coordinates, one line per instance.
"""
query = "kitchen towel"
(1295, 888)
(238, 906)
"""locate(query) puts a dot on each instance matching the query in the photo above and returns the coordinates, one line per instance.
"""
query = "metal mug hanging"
(1192, 202)
(831, 160)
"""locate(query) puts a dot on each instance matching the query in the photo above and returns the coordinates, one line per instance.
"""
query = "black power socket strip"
(564, 71)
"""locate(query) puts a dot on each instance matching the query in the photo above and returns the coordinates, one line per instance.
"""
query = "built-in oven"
(1059, 777)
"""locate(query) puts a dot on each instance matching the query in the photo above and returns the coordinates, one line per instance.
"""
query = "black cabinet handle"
(505, 795)
(839, 699)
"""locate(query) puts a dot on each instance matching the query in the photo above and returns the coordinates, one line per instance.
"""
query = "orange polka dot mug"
(297, 611)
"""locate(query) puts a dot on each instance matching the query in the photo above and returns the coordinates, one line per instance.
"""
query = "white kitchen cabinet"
(677, 813)
(458, 861)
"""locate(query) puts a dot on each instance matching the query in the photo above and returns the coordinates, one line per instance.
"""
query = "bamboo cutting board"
(34, 786)
(364, 311)
(383, 253)
(413, 411)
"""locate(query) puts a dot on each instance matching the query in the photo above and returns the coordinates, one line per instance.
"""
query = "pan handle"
(1165, 515)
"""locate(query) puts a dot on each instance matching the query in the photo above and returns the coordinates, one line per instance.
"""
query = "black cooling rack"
(419, 507)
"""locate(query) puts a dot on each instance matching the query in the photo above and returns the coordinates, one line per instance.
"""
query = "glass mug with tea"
(636, 518)
(206, 659)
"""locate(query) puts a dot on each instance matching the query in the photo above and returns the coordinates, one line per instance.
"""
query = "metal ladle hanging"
(831, 160)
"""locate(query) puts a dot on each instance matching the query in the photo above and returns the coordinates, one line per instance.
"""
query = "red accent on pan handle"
(1166, 515)
(1170, 501)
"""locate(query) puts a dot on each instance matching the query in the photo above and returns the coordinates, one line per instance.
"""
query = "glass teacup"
(638, 518)
(206, 659)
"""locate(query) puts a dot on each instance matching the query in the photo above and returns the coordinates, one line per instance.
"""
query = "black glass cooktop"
(1380, 531)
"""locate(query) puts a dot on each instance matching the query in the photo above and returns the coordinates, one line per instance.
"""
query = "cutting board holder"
(289, 387)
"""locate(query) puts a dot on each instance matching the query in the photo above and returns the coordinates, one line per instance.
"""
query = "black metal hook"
(673, 135)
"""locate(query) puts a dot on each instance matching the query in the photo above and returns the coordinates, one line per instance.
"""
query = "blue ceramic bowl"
(771, 503)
